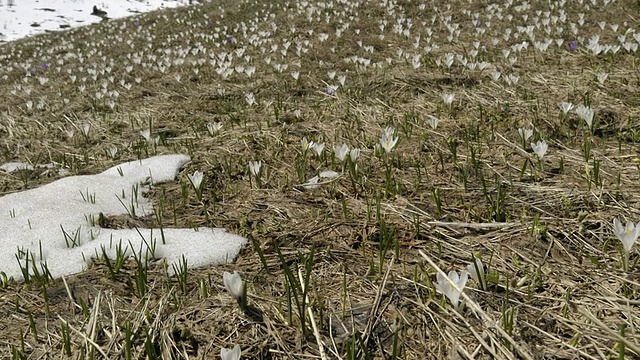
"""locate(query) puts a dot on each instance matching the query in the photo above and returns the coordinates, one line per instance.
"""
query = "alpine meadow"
(397, 179)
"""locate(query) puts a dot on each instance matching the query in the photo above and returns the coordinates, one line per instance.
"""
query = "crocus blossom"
(388, 140)
(626, 234)
(586, 114)
(452, 286)
(525, 134)
(255, 167)
(540, 148)
(476, 271)
(233, 284)
(196, 180)
(341, 151)
(233, 354)
(566, 107)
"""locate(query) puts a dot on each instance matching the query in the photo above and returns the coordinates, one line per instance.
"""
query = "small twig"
(555, 338)
(84, 336)
(373, 318)
(71, 300)
(496, 225)
(627, 343)
(316, 333)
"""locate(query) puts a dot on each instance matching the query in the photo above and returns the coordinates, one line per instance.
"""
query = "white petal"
(464, 277)
(453, 275)
(617, 226)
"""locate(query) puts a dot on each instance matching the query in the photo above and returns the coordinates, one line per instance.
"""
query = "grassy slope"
(554, 261)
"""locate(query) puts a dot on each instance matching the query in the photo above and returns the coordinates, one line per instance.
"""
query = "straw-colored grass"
(544, 233)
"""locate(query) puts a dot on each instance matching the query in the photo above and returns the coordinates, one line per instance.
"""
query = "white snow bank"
(29, 17)
(56, 224)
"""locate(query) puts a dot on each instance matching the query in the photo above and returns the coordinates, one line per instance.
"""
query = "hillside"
(397, 142)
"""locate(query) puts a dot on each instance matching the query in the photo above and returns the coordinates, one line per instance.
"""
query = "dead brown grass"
(561, 279)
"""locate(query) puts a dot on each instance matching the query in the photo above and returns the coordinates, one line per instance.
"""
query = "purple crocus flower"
(44, 66)
(231, 39)
(136, 23)
(572, 45)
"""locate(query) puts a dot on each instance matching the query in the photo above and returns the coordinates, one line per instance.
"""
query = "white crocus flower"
(306, 144)
(540, 148)
(627, 235)
(354, 154)
(602, 76)
(452, 286)
(233, 354)
(251, 99)
(112, 152)
(566, 107)
(525, 134)
(233, 284)
(341, 79)
(341, 151)
(433, 121)
(85, 129)
(214, 127)
(196, 181)
(255, 167)
(388, 141)
(318, 148)
(476, 271)
(586, 114)
(448, 98)
(146, 134)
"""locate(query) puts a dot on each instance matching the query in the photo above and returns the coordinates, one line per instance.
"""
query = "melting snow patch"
(313, 182)
(15, 166)
(57, 224)
(23, 18)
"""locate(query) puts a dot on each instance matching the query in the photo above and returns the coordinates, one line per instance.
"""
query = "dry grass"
(554, 261)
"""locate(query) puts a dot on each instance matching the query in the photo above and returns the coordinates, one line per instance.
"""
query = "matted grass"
(372, 239)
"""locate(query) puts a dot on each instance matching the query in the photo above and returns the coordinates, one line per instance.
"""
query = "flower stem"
(625, 261)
